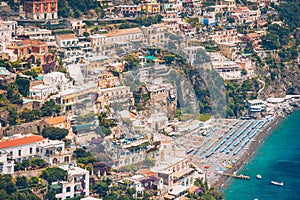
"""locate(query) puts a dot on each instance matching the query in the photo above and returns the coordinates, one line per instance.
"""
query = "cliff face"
(282, 81)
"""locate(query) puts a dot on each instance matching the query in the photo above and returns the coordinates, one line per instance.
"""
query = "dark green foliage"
(13, 116)
(54, 133)
(147, 21)
(244, 72)
(207, 193)
(86, 34)
(84, 156)
(127, 25)
(230, 20)
(101, 188)
(21, 182)
(270, 41)
(30, 115)
(169, 58)
(53, 174)
(289, 12)
(23, 85)
(67, 6)
(132, 61)
(8, 189)
(50, 108)
(13, 94)
(51, 195)
(31, 73)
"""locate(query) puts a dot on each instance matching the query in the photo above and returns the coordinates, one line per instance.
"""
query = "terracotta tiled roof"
(20, 141)
(252, 35)
(55, 120)
(147, 172)
(33, 41)
(193, 188)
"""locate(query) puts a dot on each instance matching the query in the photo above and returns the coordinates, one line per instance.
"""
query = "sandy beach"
(223, 181)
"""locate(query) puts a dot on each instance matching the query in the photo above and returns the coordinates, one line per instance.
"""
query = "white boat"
(277, 183)
(258, 176)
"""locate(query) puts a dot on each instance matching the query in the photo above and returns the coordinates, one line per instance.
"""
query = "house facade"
(41, 9)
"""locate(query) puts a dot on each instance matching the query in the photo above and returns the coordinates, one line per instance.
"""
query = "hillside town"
(115, 99)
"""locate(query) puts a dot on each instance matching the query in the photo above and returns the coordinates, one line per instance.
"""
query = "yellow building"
(151, 8)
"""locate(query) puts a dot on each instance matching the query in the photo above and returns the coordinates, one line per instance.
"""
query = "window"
(68, 189)
(30, 150)
(20, 152)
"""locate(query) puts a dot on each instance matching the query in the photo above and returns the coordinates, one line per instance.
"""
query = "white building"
(102, 42)
(6, 163)
(54, 152)
(57, 80)
(155, 33)
(143, 183)
(5, 37)
(26, 147)
(77, 183)
(191, 53)
(67, 41)
(177, 174)
(41, 91)
(36, 33)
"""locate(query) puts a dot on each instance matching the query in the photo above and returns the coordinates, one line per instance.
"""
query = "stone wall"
(26, 128)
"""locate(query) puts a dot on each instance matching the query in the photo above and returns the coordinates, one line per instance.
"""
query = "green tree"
(30, 115)
(21, 182)
(23, 85)
(12, 116)
(37, 162)
(101, 188)
(51, 195)
(54, 133)
(34, 180)
(10, 188)
(230, 20)
(54, 174)
(86, 34)
(132, 61)
(13, 94)
(270, 41)
(244, 72)
(50, 108)
(31, 73)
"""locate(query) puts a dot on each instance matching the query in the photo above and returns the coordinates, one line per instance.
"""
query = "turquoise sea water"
(277, 160)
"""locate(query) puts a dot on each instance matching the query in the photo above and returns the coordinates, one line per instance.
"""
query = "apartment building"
(100, 42)
(31, 50)
(36, 33)
(177, 175)
(228, 50)
(75, 185)
(119, 94)
(191, 54)
(245, 15)
(20, 147)
(155, 33)
(151, 8)
(78, 98)
(224, 36)
(67, 41)
(128, 10)
(41, 9)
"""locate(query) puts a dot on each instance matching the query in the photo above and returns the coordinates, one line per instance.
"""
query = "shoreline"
(223, 182)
